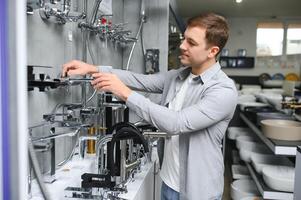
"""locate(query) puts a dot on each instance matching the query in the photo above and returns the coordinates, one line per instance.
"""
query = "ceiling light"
(238, 1)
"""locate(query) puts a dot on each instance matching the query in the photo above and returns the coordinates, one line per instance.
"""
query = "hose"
(70, 155)
(93, 61)
(95, 11)
(142, 21)
(142, 45)
(90, 50)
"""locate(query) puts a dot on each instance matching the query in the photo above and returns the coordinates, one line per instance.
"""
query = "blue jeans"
(219, 198)
(169, 194)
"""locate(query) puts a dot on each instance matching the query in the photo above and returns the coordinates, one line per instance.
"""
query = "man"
(198, 102)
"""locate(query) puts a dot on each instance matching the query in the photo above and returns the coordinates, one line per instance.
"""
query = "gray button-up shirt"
(208, 107)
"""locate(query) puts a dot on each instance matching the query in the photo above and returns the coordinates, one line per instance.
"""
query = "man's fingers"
(100, 78)
(65, 70)
(73, 72)
(67, 67)
(72, 65)
(104, 89)
(97, 75)
(102, 84)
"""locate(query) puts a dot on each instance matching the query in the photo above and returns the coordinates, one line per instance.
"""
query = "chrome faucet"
(61, 16)
(54, 135)
(100, 158)
(105, 29)
(127, 167)
(51, 137)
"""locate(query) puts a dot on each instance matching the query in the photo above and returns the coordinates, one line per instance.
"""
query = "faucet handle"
(48, 117)
(54, 1)
(29, 10)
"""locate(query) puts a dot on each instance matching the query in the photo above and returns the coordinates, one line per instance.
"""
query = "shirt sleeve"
(147, 83)
(217, 104)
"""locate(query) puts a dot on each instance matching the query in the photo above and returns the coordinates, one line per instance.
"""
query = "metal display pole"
(14, 156)
(297, 191)
(4, 123)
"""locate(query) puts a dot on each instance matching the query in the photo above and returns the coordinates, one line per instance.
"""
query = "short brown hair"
(217, 30)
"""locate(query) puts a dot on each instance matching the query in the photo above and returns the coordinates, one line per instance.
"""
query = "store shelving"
(287, 148)
(265, 191)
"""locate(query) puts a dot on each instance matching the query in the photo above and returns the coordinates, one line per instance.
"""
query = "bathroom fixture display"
(102, 26)
(119, 155)
(120, 148)
(106, 31)
(121, 152)
(60, 16)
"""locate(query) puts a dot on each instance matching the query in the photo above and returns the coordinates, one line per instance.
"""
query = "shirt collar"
(202, 78)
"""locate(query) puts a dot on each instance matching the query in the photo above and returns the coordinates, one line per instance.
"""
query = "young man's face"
(194, 50)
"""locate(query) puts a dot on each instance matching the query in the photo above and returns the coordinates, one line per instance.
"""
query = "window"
(293, 41)
(269, 39)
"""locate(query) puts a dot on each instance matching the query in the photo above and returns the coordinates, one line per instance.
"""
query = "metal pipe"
(68, 79)
(52, 155)
(130, 143)
(114, 105)
(52, 123)
(122, 161)
(84, 56)
(134, 44)
(142, 10)
(155, 134)
(94, 12)
(53, 135)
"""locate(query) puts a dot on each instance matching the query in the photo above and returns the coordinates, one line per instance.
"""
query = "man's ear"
(213, 51)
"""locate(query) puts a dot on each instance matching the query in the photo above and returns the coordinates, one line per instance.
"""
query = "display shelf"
(265, 191)
(279, 147)
(141, 187)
